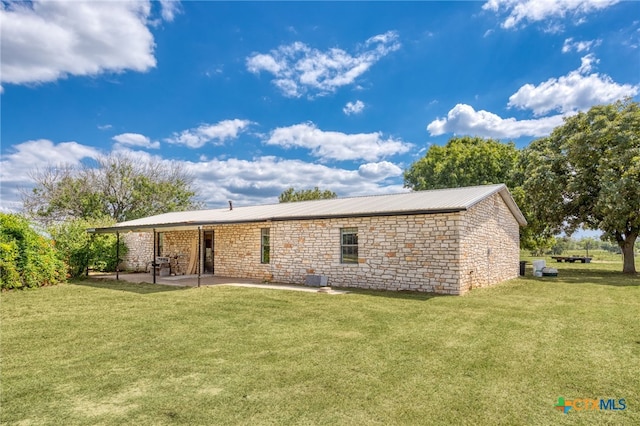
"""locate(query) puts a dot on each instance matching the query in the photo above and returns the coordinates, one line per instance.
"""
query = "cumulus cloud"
(43, 41)
(464, 120)
(381, 170)
(246, 182)
(21, 159)
(579, 46)
(136, 139)
(261, 180)
(215, 133)
(330, 145)
(528, 11)
(353, 107)
(576, 91)
(299, 69)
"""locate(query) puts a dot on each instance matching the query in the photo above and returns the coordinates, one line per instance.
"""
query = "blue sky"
(253, 98)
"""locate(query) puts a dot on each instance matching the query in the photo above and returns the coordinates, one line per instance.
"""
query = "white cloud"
(576, 91)
(528, 11)
(300, 69)
(381, 170)
(464, 120)
(246, 182)
(22, 159)
(216, 133)
(169, 9)
(136, 139)
(353, 107)
(262, 179)
(579, 46)
(336, 145)
(43, 41)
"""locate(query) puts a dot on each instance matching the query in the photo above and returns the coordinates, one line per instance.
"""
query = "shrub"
(27, 258)
(81, 250)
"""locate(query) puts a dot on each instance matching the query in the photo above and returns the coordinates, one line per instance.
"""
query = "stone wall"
(140, 251)
(179, 246)
(417, 252)
(490, 245)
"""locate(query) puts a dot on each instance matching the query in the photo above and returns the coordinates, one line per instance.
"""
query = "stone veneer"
(490, 245)
(140, 253)
(447, 253)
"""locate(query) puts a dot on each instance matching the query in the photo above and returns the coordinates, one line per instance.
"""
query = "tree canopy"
(468, 161)
(587, 173)
(464, 161)
(120, 187)
(291, 195)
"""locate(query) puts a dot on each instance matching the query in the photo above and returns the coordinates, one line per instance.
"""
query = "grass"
(115, 353)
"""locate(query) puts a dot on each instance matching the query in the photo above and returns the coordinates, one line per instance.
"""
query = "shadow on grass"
(389, 294)
(594, 276)
(139, 288)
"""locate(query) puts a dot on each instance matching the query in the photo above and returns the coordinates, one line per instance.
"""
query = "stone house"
(444, 241)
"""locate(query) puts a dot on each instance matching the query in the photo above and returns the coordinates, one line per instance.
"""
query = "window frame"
(265, 248)
(349, 246)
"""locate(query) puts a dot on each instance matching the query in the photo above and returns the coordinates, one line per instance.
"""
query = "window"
(265, 246)
(349, 245)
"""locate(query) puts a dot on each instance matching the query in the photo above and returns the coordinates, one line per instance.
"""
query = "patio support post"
(153, 261)
(117, 256)
(199, 253)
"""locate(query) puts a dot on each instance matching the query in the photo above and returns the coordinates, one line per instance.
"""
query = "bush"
(81, 250)
(27, 258)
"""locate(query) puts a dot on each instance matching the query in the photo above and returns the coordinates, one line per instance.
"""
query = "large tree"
(468, 161)
(291, 195)
(464, 161)
(119, 187)
(587, 173)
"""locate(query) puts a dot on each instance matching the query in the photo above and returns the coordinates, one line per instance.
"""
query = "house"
(444, 241)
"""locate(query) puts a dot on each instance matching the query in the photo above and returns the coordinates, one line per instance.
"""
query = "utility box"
(316, 280)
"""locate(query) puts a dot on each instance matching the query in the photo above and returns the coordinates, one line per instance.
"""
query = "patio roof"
(408, 203)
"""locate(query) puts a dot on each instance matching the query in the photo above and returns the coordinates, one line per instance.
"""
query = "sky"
(252, 98)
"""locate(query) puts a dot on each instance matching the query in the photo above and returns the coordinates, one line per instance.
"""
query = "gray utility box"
(316, 280)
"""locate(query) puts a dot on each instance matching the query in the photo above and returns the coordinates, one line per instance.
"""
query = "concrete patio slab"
(210, 280)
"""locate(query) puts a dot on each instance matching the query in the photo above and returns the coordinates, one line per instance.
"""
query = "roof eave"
(196, 224)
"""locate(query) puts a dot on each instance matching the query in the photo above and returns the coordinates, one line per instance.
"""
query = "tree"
(464, 161)
(587, 173)
(468, 161)
(292, 195)
(81, 250)
(120, 187)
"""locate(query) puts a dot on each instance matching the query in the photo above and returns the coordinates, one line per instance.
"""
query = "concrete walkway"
(210, 280)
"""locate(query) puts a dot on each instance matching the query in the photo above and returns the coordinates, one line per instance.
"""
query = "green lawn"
(114, 353)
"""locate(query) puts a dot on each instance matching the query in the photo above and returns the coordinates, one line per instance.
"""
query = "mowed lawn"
(115, 353)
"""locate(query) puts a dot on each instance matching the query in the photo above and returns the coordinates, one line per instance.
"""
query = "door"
(207, 253)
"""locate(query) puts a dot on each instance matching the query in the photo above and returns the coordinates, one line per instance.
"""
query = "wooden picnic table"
(572, 259)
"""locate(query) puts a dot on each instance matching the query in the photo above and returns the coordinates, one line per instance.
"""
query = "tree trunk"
(628, 260)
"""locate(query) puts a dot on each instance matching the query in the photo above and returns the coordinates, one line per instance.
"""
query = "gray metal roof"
(417, 202)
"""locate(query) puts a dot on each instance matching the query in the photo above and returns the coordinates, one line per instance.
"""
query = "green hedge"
(27, 258)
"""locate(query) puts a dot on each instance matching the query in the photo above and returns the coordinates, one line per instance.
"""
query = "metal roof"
(417, 202)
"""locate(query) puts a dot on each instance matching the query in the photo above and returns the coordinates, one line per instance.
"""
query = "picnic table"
(572, 259)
